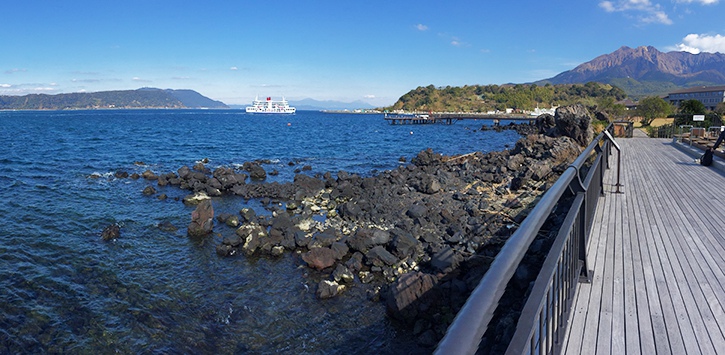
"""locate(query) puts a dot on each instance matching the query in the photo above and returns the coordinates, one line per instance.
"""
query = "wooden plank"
(688, 243)
(618, 344)
(630, 263)
(645, 283)
(594, 312)
(656, 306)
(605, 268)
(677, 290)
(659, 260)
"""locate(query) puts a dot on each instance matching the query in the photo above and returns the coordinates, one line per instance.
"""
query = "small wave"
(225, 315)
(17, 183)
(97, 175)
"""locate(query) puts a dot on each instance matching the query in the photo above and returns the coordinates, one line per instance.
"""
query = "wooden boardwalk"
(658, 255)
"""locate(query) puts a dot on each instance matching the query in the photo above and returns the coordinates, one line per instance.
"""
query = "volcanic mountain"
(646, 71)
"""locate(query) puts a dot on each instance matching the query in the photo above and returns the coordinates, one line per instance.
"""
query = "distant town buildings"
(628, 104)
(710, 96)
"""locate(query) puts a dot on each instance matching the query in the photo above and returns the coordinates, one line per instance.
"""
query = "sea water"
(153, 290)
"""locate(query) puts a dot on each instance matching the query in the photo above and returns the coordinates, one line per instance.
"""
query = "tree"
(720, 109)
(692, 107)
(652, 107)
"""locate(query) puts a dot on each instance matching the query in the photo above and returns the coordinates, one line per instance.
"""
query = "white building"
(710, 96)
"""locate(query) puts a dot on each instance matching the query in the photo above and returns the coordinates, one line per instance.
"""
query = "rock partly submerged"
(202, 220)
(425, 231)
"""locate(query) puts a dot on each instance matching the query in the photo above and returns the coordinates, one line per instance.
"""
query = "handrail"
(464, 334)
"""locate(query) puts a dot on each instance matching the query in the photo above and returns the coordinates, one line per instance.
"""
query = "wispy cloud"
(233, 68)
(27, 88)
(696, 43)
(90, 73)
(369, 96)
(94, 80)
(453, 40)
(421, 27)
(85, 80)
(15, 70)
(645, 10)
(703, 2)
(140, 80)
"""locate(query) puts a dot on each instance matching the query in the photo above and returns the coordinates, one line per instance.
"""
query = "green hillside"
(141, 98)
(477, 98)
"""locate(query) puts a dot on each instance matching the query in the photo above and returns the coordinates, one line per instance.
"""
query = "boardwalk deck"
(658, 255)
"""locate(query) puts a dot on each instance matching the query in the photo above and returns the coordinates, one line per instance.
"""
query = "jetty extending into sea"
(646, 276)
(452, 117)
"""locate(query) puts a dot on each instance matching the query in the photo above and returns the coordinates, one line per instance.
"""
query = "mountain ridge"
(139, 98)
(645, 70)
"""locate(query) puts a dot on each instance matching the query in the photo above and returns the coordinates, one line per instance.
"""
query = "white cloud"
(456, 42)
(703, 2)
(657, 17)
(647, 12)
(369, 96)
(140, 80)
(421, 27)
(233, 68)
(695, 43)
(607, 6)
(27, 88)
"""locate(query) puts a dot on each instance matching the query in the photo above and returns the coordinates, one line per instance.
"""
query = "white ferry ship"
(270, 106)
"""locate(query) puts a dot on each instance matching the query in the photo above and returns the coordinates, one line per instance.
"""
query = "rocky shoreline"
(420, 236)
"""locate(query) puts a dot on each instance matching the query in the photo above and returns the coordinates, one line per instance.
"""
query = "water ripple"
(66, 291)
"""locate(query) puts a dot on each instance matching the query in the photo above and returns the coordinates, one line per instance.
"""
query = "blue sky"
(374, 51)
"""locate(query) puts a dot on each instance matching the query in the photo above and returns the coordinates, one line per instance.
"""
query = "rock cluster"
(427, 230)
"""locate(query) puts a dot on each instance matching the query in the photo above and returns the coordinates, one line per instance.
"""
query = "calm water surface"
(62, 289)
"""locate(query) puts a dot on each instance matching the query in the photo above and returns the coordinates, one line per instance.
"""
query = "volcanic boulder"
(202, 220)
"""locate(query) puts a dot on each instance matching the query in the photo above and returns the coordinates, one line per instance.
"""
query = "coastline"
(434, 224)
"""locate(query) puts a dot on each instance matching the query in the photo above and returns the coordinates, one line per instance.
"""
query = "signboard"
(698, 117)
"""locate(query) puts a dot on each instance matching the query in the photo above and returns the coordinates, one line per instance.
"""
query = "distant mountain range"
(141, 98)
(316, 105)
(644, 71)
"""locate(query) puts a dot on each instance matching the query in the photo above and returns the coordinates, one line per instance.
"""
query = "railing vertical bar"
(541, 331)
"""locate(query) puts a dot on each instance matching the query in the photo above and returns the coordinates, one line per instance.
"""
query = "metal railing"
(543, 319)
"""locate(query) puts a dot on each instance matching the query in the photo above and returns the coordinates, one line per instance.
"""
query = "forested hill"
(141, 98)
(477, 98)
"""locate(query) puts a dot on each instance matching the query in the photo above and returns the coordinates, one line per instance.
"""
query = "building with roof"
(710, 96)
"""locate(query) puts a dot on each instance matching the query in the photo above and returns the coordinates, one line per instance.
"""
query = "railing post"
(584, 275)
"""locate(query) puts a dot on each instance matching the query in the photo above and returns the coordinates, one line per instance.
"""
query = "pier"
(638, 266)
(452, 117)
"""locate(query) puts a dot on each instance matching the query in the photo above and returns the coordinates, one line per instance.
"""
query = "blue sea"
(64, 290)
